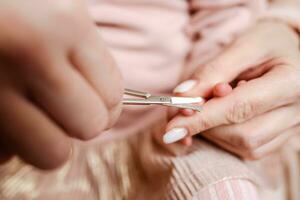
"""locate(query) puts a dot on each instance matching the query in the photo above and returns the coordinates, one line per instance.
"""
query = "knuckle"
(199, 124)
(204, 124)
(241, 111)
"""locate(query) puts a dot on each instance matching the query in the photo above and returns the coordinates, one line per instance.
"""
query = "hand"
(57, 80)
(259, 115)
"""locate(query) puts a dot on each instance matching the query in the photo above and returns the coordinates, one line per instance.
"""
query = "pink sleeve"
(234, 189)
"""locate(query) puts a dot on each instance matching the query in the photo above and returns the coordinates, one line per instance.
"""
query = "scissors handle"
(147, 101)
(126, 101)
(137, 93)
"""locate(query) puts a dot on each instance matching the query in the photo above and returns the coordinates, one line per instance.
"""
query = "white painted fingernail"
(174, 135)
(185, 86)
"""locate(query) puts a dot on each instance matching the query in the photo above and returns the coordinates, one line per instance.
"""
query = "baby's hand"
(57, 80)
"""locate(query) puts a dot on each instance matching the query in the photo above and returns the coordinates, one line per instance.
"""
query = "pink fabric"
(234, 189)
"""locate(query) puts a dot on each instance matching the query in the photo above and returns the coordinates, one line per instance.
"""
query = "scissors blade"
(186, 106)
(186, 100)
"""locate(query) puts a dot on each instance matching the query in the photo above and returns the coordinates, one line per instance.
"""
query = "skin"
(219, 90)
(54, 73)
(262, 111)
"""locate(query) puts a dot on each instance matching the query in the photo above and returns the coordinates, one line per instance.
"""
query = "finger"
(225, 68)
(4, 156)
(187, 112)
(30, 134)
(5, 153)
(97, 66)
(69, 99)
(171, 112)
(240, 83)
(260, 152)
(257, 131)
(188, 141)
(242, 104)
(248, 56)
(221, 89)
(273, 145)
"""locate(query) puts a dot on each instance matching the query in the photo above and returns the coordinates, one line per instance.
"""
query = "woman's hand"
(259, 115)
(57, 80)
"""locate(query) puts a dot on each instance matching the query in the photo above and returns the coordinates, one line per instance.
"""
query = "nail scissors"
(149, 99)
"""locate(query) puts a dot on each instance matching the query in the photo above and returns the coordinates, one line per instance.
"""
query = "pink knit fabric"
(235, 189)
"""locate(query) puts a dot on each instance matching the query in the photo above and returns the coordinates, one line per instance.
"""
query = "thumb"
(223, 69)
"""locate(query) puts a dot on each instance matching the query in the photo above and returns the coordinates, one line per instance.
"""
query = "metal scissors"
(149, 99)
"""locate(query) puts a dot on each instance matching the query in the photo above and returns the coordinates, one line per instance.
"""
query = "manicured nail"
(185, 86)
(174, 135)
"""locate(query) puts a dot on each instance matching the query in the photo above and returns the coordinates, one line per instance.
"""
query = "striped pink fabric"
(234, 189)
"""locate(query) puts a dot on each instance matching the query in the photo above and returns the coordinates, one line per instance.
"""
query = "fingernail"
(185, 86)
(174, 135)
